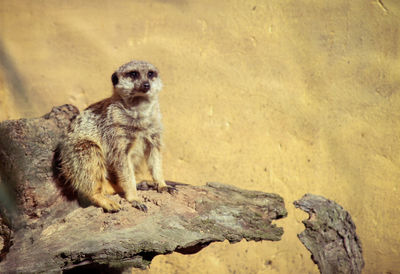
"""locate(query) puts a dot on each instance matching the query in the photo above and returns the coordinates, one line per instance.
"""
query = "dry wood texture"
(43, 227)
(330, 236)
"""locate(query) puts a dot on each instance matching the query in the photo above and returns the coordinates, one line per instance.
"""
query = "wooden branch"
(43, 228)
(330, 236)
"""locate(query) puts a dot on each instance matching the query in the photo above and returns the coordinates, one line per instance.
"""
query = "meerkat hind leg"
(90, 178)
(110, 188)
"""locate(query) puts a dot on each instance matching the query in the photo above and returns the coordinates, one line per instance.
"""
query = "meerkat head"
(136, 79)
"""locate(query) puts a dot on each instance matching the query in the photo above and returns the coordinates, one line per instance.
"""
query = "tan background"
(287, 97)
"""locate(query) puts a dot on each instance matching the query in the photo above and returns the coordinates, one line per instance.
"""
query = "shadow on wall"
(17, 86)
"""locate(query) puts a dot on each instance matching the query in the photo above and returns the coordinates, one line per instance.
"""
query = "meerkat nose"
(145, 86)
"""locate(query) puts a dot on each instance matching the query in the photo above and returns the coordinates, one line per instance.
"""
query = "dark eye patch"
(133, 74)
(151, 74)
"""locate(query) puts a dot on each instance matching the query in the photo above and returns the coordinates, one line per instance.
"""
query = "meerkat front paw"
(149, 185)
(139, 205)
(145, 185)
(136, 203)
(161, 187)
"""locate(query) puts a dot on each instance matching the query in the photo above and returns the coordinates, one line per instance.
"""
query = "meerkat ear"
(114, 78)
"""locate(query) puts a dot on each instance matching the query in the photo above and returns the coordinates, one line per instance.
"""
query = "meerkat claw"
(170, 189)
(162, 188)
(140, 206)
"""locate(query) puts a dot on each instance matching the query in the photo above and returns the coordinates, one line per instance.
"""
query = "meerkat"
(108, 141)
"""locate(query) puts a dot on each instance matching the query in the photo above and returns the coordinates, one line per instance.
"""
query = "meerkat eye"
(151, 74)
(133, 74)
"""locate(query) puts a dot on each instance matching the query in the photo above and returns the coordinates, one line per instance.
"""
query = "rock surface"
(330, 236)
(43, 227)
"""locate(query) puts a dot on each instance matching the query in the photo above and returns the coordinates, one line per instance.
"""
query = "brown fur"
(109, 140)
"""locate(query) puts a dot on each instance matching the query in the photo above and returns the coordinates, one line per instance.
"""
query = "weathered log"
(43, 227)
(330, 236)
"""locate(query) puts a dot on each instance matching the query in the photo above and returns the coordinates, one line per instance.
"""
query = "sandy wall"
(287, 97)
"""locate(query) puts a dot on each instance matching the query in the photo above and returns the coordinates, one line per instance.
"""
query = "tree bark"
(330, 236)
(43, 227)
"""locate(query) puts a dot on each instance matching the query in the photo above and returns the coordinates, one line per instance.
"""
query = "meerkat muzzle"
(145, 87)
